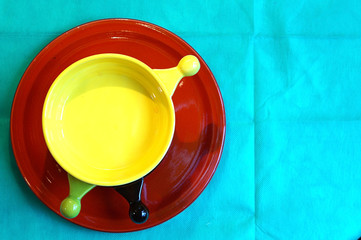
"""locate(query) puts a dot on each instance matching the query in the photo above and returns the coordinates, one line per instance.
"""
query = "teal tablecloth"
(290, 76)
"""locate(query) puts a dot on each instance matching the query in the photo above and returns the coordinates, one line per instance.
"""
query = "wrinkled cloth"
(290, 76)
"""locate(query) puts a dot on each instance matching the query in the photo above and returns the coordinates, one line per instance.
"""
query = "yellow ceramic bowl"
(108, 119)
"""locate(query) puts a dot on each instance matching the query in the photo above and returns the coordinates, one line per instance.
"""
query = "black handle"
(138, 212)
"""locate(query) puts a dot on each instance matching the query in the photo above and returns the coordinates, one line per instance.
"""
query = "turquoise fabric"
(290, 76)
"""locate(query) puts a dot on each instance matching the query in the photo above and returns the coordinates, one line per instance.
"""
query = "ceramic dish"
(192, 157)
(108, 120)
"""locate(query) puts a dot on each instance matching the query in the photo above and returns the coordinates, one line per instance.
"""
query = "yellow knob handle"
(187, 66)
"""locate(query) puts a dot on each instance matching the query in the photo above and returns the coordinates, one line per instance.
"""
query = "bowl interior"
(107, 121)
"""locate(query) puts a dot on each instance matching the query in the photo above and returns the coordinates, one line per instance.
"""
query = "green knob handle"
(70, 206)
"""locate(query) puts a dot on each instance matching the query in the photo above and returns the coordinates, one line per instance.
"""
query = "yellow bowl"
(108, 119)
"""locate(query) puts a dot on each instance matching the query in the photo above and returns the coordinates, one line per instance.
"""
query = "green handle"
(70, 206)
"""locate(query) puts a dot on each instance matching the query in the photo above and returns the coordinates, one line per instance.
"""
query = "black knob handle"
(138, 212)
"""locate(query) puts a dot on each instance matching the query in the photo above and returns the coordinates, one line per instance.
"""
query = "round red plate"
(195, 150)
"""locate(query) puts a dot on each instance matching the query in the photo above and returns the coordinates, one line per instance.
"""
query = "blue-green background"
(290, 76)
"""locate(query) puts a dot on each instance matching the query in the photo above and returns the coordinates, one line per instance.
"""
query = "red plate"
(194, 153)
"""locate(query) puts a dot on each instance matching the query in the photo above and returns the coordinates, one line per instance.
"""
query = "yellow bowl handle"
(187, 66)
